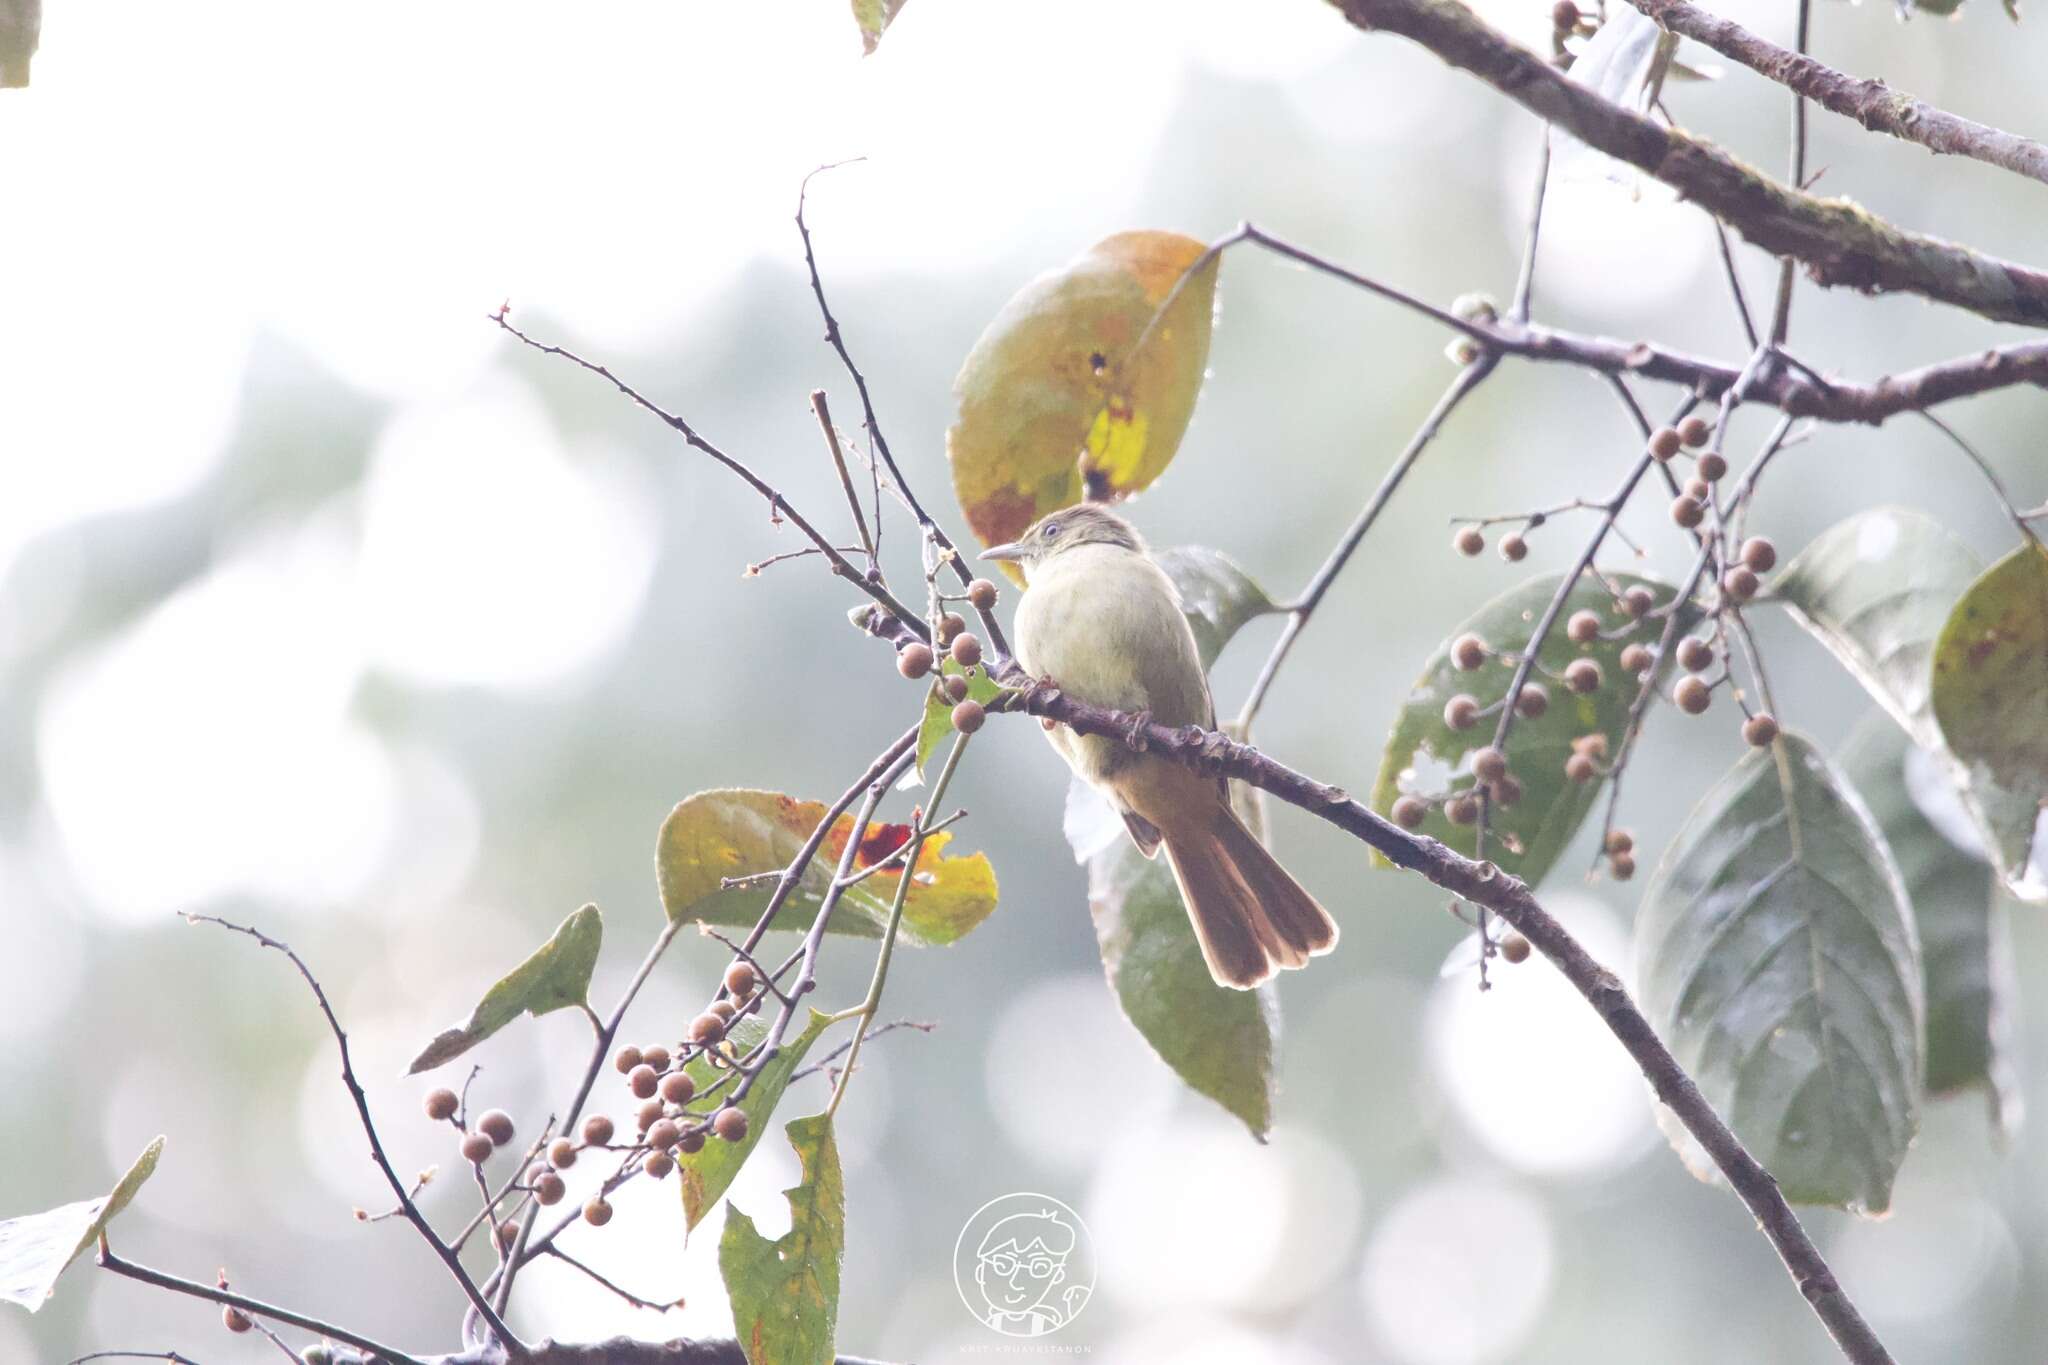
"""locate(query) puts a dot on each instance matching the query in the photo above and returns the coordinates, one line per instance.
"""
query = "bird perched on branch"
(1104, 622)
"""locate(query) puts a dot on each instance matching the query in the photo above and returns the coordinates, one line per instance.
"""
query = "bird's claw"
(1134, 733)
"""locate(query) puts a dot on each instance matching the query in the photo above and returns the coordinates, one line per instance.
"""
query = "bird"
(1103, 622)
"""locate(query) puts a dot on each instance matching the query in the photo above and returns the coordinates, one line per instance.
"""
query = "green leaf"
(785, 1294)
(736, 833)
(1779, 963)
(1965, 940)
(35, 1249)
(555, 977)
(1991, 677)
(708, 1173)
(937, 724)
(1220, 1042)
(1054, 404)
(1424, 754)
(1875, 590)
(873, 16)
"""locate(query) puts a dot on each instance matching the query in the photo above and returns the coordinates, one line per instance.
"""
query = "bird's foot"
(1134, 733)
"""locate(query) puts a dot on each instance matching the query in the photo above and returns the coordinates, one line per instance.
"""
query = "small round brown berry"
(724, 1009)
(1515, 948)
(1462, 810)
(1687, 511)
(1410, 811)
(442, 1104)
(1740, 583)
(507, 1234)
(656, 1057)
(1592, 745)
(597, 1212)
(691, 1142)
(1694, 431)
(1620, 841)
(1638, 601)
(1489, 764)
(1699, 490)
(1507, 791)
(1664, 443)
(1692, 694)
(966, 649)
(981, 594)
(561, 1154)
(1623, 865)
(1564, 16)
(1461, 712)
(1469, 541)
(914, 660)
(968, 716)
(1582, 627)
(644, 1081)
(1635, 659)
(550, 1188)
(658, 1164)
(705, 1028)
(597, 1130)
(1579, 768)
(1713, 466)
(1760, 554)
(497, 1126)
(1532, 701)
(678, 1088)
(740, 980)
(1760, 729)
(477, 1148)
(663, 1133)
(950, 625)
(627, 1058)
(1468, 651)
(1694, 654)
(1582, 676)
(1513, 547)
(956, 686)
(234, 1319)
(649, 1114)
(730, 1124)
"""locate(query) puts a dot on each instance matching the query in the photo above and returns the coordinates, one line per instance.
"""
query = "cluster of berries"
(916, 659)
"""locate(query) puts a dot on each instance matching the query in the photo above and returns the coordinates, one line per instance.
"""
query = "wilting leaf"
(785, 1293)
(1625, 63)
(555, 977)
(1875, 589)
(736, 833)
(1779, 963)
(873, 16)
(1965, 941)
(1055, 406)
(34, 1249)
(1219, 1041)
(1424, 754)
(1991, 675)
(707, 1174)
(938, 708)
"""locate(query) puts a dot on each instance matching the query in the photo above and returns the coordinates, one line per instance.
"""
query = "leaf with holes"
(555, 977)
(35, 1248)
(708, 1173)
(1220, 1042)
(1965, 939)
(1425, 757)
(1056, 406)
(1778, 961)
(785, 1293)
(738, 833)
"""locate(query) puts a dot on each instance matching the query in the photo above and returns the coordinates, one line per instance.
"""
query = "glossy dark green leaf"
(555, 977)
(1778, 960)
(1875, 589)
(737, 833)
(785, 1293)
(1220, 1042)
(1427, 758)
(1965, 941)
(35, 1248)
(707, 1174)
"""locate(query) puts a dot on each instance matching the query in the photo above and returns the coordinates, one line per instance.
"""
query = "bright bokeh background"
(322, 605)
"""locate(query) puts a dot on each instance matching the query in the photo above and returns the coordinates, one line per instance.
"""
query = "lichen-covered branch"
(1840, 243)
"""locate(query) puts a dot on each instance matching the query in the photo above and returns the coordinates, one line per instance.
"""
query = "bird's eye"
(1052, 528)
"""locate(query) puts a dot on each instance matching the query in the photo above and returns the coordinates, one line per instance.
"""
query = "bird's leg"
(1134, 734)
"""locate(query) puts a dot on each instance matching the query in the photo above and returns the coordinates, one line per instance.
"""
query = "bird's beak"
(1004, 554)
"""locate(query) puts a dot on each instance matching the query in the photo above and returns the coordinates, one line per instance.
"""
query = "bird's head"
(1063, 532)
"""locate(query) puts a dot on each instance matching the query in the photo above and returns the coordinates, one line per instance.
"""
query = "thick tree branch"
(1871, 103)
(617, 1351)
(1485, 885)
(1840, 242)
